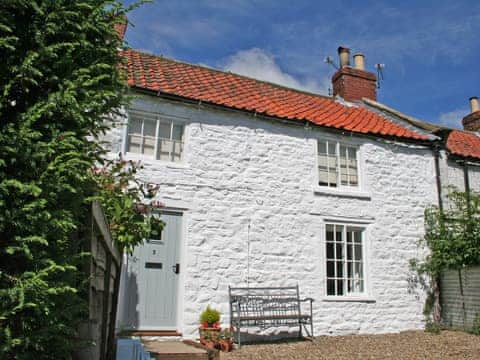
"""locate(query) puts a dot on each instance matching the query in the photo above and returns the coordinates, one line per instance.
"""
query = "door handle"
(176, 268)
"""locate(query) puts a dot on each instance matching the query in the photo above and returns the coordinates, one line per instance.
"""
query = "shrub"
(476, 325)
(210, 316)
(432, 327)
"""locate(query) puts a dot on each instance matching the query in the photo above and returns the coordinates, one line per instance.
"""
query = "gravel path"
(406, 345)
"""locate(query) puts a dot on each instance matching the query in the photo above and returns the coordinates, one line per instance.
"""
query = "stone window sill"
(343, 193)
(150, 160)
(360, 298)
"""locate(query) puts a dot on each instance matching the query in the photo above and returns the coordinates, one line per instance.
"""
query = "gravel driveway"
(405, 345)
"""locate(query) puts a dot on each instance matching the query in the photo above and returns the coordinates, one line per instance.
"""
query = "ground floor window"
(345, 259)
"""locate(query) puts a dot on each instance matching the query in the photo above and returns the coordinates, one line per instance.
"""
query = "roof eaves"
(294, 122)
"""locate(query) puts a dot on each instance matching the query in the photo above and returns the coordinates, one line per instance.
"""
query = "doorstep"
(175, 350)
(159, 333)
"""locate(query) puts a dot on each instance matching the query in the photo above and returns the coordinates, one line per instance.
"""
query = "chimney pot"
(353, 84)
(344, 55)
(359, 61)
(471, 122)
(474, 106)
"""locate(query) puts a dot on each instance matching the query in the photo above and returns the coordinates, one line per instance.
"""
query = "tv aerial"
(380, 77)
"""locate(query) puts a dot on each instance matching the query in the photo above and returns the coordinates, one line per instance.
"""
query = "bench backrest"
(264, 302)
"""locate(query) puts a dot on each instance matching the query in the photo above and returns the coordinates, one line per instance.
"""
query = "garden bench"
(267, 307)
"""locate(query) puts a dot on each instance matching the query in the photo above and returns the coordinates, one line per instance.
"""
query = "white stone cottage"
(269, 186)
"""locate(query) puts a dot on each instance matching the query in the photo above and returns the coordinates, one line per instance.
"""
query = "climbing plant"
(128, 202)
(452, 240)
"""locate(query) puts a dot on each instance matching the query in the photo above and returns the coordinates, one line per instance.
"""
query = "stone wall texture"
(249, 180)
(453, 175)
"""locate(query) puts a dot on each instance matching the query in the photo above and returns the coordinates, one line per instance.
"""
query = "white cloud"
(259, 64)
(453, 118)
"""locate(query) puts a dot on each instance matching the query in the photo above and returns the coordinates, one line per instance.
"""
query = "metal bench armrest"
(307, 299)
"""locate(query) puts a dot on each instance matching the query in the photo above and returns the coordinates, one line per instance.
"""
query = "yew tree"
(59, 81)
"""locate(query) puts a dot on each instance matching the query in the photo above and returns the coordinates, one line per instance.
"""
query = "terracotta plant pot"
(211, 331)
(226, 345)
(208, 343)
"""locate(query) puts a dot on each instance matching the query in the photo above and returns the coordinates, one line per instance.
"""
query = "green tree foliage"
(59, 81)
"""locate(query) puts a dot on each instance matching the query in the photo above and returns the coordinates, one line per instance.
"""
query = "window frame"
(157, 116)
(364, 296)
(359, 189)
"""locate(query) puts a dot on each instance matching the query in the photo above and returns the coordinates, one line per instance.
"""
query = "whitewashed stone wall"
(452, 174)
(239, 173)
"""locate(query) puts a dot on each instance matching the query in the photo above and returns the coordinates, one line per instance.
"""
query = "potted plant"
(209, 326)
(226, 340)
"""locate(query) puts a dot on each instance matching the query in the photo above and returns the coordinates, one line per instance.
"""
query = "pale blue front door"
(152, 279)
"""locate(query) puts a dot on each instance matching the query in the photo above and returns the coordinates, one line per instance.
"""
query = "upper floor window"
(155, 136)
(345, 260)
(337, 164)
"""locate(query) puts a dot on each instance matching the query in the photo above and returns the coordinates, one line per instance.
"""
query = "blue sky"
(430, 49)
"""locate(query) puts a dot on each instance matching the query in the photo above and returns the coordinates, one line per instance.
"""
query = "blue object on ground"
(131, 349)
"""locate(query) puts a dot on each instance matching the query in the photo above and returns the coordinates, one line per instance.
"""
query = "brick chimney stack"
(471, 122)
(355, 83)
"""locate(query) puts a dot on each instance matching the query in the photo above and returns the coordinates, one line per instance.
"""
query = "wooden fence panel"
(104, 269)
(460, 297)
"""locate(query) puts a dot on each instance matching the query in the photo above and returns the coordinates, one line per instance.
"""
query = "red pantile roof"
(199, 83)
(464, 143)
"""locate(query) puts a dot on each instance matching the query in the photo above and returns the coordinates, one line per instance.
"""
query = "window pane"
(339, 269)
(330, 269)
(349, 252)
(164, 129)
(322, 147)
(357, 236)
(331, 287)
(339, 253)
(177, 151)
(358, 270)
(358, 252)
(339, 233)
(332, 148)
(332, 178)
(352, 153)
(135, 126)
(340, 287)
(322, 177)
(149, 146)
(322, 161)
(164, 149)
(149, 128)
(359, 285)
(330, 251)
(134, 143)
(343, 165)
(330, 229)
(177, 132)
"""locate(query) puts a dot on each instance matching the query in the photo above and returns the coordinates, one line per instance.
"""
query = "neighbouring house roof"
(464, 143)
(199, 83)
(458, 142)
(409, 119)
